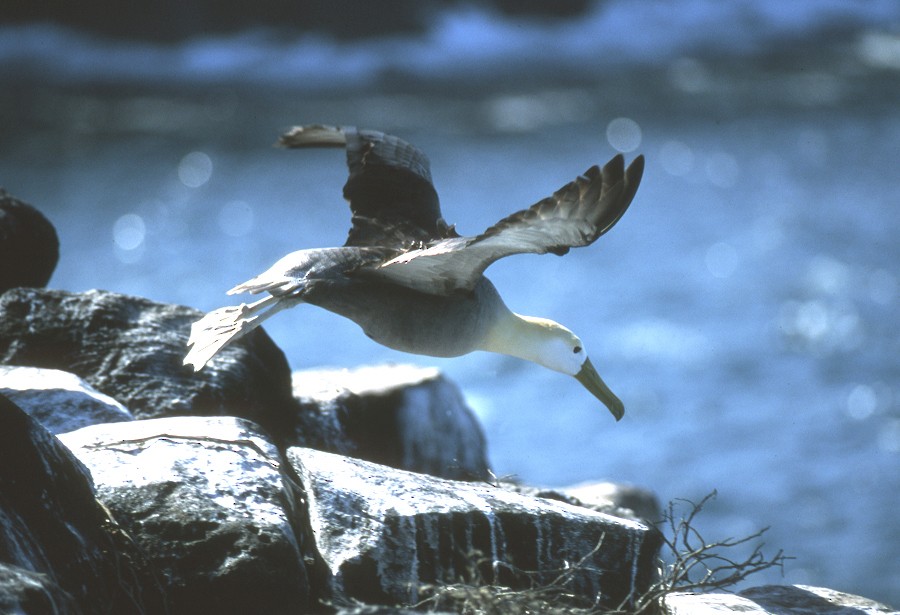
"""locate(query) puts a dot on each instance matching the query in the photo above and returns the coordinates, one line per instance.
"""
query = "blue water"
(745, 308)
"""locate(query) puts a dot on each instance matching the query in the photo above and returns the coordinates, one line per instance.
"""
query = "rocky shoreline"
(128, 483)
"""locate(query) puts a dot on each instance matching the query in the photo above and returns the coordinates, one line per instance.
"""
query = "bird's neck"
(519, 336)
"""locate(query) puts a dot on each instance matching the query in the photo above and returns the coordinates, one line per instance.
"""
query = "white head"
(552, 345)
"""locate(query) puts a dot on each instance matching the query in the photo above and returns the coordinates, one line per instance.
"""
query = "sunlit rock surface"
(132, 349)
(776, 600)
(403, 416)
(616, 498)
(383, 533)
(60, 401)
(29, 247)
(204, 499)
(59, 549)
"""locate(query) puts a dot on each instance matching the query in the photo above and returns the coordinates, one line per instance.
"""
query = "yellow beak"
(592, 381)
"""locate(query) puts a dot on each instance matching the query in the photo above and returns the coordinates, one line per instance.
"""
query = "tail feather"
(222, 326)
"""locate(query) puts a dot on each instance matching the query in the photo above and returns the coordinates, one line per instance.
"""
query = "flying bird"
(410, 281)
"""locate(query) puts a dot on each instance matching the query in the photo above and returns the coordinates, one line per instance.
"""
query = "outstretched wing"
(392, 199)
(576, 215)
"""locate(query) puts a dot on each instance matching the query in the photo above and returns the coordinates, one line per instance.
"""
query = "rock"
(29, 247)
(131, 349)
(25, 591)
(384, 533)
(808, 600)
(775, 600)
(60, 401)
(617, 499)
(402, 416)
(58, 545)
(605, 497)
(204, 498)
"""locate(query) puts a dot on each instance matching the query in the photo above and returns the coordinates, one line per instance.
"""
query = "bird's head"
(552, 345)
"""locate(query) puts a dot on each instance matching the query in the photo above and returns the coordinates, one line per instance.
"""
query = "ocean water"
(745, 308)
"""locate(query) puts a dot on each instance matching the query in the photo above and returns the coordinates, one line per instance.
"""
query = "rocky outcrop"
(131, 349)
(205, 511)
(60, 401)
(29, 247)
(59, 548)
(385, 533)
(204, 499)
(403, 416)
(776, 600)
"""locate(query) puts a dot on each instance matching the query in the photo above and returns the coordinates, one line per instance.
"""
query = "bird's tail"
(222, 326)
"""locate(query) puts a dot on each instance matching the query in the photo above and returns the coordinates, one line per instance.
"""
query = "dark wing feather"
(392, 198)
(576, 215)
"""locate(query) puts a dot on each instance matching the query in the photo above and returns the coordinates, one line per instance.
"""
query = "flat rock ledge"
(60, 401)
(776, 600)
(384, 533)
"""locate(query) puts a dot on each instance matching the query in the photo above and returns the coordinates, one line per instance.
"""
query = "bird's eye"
(577, 349)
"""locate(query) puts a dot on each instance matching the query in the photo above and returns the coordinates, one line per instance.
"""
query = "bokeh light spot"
(195, 169)
(861, 402)
(624, 134)
(129, 232)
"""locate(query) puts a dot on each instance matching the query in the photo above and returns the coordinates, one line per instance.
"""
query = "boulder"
(29, 247)
(620, 499)
(809, 600)
(403, 416)
(775, 600)
(204, 499)
(384, 534)
(58, 545)
(616, 499)
(132, 349)
(60, 401)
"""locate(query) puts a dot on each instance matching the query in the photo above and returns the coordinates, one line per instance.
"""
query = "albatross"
(410, 281)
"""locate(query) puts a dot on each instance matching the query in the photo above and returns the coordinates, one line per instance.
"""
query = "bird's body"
(410, 281)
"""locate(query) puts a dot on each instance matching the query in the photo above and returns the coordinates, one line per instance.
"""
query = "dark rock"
(204, 499)
(131, 349)
(29, 247)
(776, 600)
(401, 416)
(384, 533)
(52, 525)
(60, 401)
